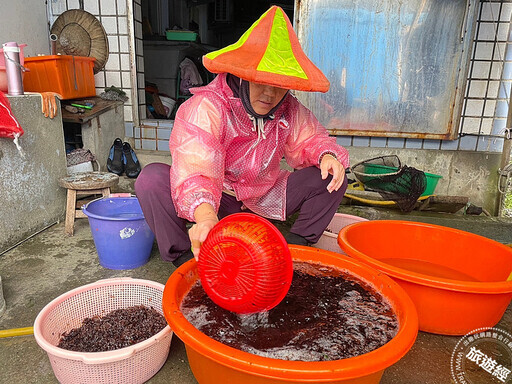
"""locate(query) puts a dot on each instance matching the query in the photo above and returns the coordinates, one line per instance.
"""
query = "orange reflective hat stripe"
(269, 53)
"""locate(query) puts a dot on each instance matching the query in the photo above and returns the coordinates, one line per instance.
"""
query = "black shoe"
(131, 163)
(115, 157)
(293, 238)
(183, 258)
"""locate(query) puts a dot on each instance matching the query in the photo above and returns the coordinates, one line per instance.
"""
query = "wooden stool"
(87, 183)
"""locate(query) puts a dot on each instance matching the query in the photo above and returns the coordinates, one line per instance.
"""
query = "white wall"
(25, 22)
(117, 18)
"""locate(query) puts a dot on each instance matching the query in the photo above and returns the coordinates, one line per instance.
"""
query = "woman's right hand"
(206, 218)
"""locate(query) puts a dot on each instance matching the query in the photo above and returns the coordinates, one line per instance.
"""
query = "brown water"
(326, 315)
(427, 268)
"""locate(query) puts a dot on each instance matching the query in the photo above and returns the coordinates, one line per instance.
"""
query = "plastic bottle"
(13, 68)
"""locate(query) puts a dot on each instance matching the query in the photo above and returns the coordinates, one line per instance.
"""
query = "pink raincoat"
(215, 145)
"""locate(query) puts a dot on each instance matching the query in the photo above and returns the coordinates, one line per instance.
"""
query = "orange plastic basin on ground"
(213, 362)
(458, 280)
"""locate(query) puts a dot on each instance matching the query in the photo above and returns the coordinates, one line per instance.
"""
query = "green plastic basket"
(180, 35)
(378, 169)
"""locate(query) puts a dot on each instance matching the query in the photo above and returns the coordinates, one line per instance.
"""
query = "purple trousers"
(306, 193)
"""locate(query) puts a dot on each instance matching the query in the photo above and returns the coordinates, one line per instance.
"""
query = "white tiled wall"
(487, 93)
(154, 134)
(139, 52)
(115, 17)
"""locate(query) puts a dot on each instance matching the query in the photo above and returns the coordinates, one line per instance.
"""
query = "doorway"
(177, 33)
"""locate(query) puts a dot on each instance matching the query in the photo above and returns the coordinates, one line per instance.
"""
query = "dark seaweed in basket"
(118, 329)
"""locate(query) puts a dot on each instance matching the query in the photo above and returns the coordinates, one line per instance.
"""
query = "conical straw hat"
(269, 53)
(81, 34)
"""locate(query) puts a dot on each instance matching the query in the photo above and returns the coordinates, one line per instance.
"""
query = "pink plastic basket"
(134, 364)
(329, 239)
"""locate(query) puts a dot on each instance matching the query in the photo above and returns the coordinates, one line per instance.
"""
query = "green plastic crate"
(180, 35)
(378, 169)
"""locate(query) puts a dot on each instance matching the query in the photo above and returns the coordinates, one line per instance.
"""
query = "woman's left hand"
(329, 165)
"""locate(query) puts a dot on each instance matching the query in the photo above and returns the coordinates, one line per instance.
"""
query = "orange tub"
(213, 362)
(458, 280)
(70, 76)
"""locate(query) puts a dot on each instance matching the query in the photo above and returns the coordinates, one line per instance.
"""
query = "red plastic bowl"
(245, 264)
(456, 279)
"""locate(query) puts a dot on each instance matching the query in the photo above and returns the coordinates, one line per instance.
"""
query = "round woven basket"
(81, 34)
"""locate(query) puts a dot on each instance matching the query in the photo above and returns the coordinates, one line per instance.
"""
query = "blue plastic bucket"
(122, 237)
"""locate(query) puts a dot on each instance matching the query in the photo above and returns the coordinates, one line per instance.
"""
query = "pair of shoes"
(122, 158)
(115, 157)
(293, 238)
(183, 258)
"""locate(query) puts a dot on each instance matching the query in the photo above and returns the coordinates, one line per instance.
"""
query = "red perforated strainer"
(245, 265)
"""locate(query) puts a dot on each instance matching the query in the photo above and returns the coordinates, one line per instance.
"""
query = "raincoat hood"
(269, 53)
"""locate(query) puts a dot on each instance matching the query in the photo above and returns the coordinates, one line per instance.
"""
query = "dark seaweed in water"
(327, 314)
(118, 329)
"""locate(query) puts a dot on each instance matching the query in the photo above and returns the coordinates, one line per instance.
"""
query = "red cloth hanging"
(9, 126)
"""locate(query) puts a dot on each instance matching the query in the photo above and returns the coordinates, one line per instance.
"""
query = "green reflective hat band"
(279, 57)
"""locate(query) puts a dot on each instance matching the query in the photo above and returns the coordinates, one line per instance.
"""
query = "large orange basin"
(457, 280)
(213, 362)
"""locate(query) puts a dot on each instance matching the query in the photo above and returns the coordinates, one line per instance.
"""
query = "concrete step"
(147, 157)
(126, 184)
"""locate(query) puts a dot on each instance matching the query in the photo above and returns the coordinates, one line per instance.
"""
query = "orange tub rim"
(320, 371)
(495, 287)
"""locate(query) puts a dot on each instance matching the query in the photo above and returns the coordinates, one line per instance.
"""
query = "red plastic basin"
(213, 362)
(457, 280)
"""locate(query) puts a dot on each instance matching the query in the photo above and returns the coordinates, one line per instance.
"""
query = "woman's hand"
(329, 165)
(206, 218)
